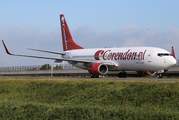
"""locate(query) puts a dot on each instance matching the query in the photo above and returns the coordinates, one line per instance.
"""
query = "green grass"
(88, 99)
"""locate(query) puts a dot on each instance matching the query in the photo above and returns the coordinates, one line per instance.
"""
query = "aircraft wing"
(111, 65)
(56, 59)
(47, 51)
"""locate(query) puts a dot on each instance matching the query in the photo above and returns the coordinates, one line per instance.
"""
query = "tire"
(159, 76)
(92, 76)
(122, 75)
(96, 76)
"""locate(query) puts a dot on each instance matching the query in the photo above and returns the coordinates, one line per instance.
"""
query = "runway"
(174, 71)
(88, 78)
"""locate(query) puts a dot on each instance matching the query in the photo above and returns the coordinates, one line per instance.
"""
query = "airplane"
(99, 61)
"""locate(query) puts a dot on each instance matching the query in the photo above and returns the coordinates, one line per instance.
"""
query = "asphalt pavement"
(88, 78)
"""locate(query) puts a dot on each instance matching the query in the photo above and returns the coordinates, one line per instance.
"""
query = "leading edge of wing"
(58, 59)
(46, 51)
(7, 51)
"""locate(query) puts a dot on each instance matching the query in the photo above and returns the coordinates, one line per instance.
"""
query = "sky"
(93, 24)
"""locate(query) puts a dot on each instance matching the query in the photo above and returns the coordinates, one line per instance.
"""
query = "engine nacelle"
(98, 69)
(152, 73)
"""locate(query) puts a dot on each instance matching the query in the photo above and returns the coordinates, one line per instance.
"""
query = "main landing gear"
(94, 76)
(159, 75)
(122, 75)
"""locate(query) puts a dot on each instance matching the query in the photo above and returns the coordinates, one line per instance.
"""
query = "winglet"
(6, 48)
(173, 53)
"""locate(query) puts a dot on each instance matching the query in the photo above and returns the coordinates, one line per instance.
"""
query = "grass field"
(88, 99)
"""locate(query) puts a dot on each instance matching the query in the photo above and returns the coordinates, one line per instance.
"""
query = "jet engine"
(152, 73)
(98, 69)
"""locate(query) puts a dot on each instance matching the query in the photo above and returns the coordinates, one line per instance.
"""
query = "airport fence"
(37, 67)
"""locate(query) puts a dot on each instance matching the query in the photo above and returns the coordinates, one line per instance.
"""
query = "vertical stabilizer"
(67, 40)
(173, 53)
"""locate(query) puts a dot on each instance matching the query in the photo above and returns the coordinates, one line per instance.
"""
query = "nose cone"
(169, 62)
(172, 62)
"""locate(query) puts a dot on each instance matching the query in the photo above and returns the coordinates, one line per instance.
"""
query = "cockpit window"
(164, 54)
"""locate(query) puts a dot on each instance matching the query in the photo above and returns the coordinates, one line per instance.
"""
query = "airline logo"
(128, 55)
(63, 29)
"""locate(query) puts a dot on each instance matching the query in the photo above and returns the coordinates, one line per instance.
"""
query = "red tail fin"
(68, 43)
(173, 53)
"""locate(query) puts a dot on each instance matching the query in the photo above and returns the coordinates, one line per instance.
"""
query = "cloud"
(173, 34)
(99, 38)
(129, 27)
(133, 42)
(25, 36)
(127, 37)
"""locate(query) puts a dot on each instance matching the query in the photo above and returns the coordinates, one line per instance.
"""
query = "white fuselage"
(126, 58)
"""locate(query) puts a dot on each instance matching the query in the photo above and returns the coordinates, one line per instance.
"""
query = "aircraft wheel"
(92, 76)
(159, 76)
(122, 75)
(96, 76)
(125, 75)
